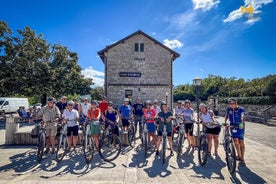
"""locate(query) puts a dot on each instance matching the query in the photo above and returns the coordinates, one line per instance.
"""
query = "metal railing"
(264, 112)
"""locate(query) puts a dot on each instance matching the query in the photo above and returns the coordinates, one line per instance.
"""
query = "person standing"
(70, 116)
(125, 112)
(62, 104)
(103, 106)
(76, 104)
(165, 120)
(236, 116)
(150, 114)
(93, 117)
(50, 114)
(111, 118)
(156, 107)
(189, 123)
(84, 109)
(137, 111)
(212, 129)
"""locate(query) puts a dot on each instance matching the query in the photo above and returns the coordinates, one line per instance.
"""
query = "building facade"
(138, 66)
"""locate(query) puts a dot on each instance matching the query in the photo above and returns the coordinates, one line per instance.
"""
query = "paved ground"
(18, 165)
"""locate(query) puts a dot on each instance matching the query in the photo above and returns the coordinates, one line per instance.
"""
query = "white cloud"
(172, 44)
(97, 76)
(205, 5)
(251, 18)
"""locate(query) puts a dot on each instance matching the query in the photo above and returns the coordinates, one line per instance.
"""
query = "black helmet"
(51, 99)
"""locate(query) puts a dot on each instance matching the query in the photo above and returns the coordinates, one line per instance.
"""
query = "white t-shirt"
(84, 108)
(71, 116)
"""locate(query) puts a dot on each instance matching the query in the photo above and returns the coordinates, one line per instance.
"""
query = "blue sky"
(212, 36)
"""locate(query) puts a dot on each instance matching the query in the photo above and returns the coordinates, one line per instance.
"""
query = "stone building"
(138, 66)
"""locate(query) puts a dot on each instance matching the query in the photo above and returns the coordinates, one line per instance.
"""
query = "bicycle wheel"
(110, 147)
(230, 156)
(202, 150)
(131, 136)
(41, 145)
(61, 148)
(88, 149)
(164, 150)
(179, 146)
(145, 144)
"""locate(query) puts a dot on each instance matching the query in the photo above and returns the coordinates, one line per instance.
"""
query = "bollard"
(124, 138)
(11, 128)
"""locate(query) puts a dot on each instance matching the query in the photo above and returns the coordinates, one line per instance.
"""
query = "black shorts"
(214, 131)
(160, 133)
(189, 128)
(73, 129)
(125, 122)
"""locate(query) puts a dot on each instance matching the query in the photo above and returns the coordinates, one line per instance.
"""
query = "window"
(139, 47)
(136, 47)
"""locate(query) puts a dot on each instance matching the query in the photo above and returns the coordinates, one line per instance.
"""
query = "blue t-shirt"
(61, 106)
(235, 115)
(110, 116)
(125, 111)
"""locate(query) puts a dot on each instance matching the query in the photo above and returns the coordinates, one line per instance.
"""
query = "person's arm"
(99, 114)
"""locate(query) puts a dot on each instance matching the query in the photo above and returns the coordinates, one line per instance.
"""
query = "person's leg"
(69, 140)
(75, 136)
(237, 146)
(209, 138)
(158, 142)
(216, 143)
(170, 144)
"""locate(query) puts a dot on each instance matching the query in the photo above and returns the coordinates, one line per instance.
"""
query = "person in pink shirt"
(149, 114)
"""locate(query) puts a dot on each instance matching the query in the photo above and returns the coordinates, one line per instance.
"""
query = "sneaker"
(53, 151)
(172, 153)
(47, 150)
(242, 163)
(157, 153)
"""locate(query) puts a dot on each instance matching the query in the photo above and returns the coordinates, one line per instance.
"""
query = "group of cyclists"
(150, 113)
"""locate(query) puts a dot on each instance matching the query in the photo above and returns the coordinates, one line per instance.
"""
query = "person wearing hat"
(212, 130)
(62, 104)
(189, 123)
(125, 113)
(150, 114)
(93, 118)
(84, 109)
(137, 111)
(76, 104)
(165, 120)
(50, 114)
(70, 116)
(236, 116)
(111, 118)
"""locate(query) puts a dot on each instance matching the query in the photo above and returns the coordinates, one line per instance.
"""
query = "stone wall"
(154, 64)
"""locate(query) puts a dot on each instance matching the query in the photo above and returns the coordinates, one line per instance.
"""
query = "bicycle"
(41, 141)
(62, 143)
(144, 136)
(131, 134)
(181, 136)
(87, 144)
(229, 148)
(110, 145)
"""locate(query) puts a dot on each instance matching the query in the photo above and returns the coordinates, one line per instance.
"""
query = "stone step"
(274, 117)
(271, 122)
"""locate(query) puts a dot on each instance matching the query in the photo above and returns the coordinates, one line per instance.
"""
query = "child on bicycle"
(165, 120)
(149, 114)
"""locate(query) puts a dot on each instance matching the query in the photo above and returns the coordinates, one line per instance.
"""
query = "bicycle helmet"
(187, 101)
(202, 105)
(155, 101)
(110, 103)
(179, 102)
(94, 102)
(75, 99)
(148, 102)
(70, 103)
(51, 99)
(232, 99)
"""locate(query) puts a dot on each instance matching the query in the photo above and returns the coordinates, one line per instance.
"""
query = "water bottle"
(88, 129)
(241, 126)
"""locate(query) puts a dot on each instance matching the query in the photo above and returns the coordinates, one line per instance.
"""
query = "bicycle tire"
(202, 150)
(164, 150)
(61, 148)
(110, 147)
(88, 149)
(179, 146)
(41, 145)
(231, 159)
(145, 144)
(131, 136)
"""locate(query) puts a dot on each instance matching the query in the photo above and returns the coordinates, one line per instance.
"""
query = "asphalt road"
(18, 165)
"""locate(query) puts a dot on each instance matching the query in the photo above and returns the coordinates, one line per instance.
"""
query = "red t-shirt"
(103, 106)
(149, 113)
